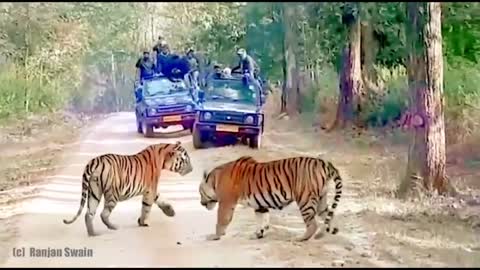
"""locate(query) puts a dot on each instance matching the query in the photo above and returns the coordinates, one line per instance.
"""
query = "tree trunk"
(369, 47)
(290, 91)
(114, 82)
(426, 157)
(25, 59)
(349, 101)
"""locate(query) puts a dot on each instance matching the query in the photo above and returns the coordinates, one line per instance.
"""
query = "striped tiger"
(271, 185)
(121, 177)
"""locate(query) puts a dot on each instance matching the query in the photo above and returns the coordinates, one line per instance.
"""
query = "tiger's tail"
(333, 173)
(85, 186)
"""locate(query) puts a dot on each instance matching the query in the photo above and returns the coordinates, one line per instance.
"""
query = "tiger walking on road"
(121, 177)
(271, 185)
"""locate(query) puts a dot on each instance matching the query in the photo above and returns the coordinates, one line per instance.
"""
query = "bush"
(382, 108)
(462, 98)
(42, 96)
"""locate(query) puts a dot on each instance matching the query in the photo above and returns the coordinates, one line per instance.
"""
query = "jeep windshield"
(163, 86)
(231, 91)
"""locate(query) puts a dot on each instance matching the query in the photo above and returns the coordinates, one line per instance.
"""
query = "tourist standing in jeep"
(145, 66)
(162, 50)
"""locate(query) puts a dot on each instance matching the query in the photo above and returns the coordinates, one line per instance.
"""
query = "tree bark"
(426, 156)
(349, 101)
(290, 91)
(25, 59)
(369, 49)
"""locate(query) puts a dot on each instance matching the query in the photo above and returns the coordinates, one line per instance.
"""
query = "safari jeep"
(163, 102)
(229, 107)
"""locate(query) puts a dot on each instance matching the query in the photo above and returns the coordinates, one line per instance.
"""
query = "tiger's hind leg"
(166, 207)
(147, 202)
(322, 210)
(108, 207)
(309, 213)
(262, 217)
(94, 196)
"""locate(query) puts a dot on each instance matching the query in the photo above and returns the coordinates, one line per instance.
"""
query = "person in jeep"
(248, 66)
(193, 64)
(145, 66)
(162, 51)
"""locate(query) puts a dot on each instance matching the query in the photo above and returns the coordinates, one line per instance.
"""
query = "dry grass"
(30, 146)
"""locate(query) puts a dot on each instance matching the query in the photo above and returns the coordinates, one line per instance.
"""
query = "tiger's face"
(208, 197)
(178, 160)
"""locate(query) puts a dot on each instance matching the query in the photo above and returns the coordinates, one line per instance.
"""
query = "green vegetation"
(81, 55)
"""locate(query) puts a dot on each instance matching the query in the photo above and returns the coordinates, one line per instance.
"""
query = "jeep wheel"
(244, 140)
(255, 141)
(147, 130)
(185, 127)
(139, 127)
(198, 139)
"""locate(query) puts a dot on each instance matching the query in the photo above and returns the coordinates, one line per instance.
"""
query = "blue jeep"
(229, 107)
(163, 102)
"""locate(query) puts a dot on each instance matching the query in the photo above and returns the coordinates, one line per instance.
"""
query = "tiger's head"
(208, 196)
(177, 159)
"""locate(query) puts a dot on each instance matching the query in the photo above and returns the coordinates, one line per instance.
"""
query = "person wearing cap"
(145, 65)
(249, 66)
(246, 64)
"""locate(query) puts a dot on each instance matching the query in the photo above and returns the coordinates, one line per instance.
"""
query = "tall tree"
(290, 89)
(426, 157)
(349, 102)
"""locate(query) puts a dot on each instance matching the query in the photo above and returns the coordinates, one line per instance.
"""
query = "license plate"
(172, 118)
(227, 128)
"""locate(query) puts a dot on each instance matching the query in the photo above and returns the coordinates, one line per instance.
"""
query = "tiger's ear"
(205, 175)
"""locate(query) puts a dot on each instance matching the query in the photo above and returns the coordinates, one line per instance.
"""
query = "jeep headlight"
(249, 120)
(189, 108)
(149, 102)
(152, 111)
(207, 116)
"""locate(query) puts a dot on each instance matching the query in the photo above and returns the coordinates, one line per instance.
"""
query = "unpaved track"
(177, 241)
(373, 230)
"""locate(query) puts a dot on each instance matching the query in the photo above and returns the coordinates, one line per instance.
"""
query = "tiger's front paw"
(213, 237)
(260, 233)
(141, 224)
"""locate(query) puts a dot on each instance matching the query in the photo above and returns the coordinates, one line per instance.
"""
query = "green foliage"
(381, 109)
(82, 54)
(54, 54)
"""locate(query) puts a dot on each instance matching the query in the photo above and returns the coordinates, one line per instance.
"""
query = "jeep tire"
(255, 141)
(189, 127)
(244, 140)
(198, 139)
(147, 130)
(139, 127)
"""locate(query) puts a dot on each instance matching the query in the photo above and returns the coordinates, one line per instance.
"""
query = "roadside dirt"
(376, 230)
(30, 147)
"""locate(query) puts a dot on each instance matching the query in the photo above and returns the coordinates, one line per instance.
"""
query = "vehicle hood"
(222, 106)
(161, 100)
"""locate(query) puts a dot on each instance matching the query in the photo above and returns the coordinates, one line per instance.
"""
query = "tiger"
(121, 177)
(271, 185)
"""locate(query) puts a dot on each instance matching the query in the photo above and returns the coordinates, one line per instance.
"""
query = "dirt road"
(365, 239)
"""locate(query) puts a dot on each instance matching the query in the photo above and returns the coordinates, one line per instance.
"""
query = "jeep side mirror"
(201, 95)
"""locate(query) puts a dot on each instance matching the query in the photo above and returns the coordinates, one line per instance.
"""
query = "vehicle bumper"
(170, 120)
(237, 129)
